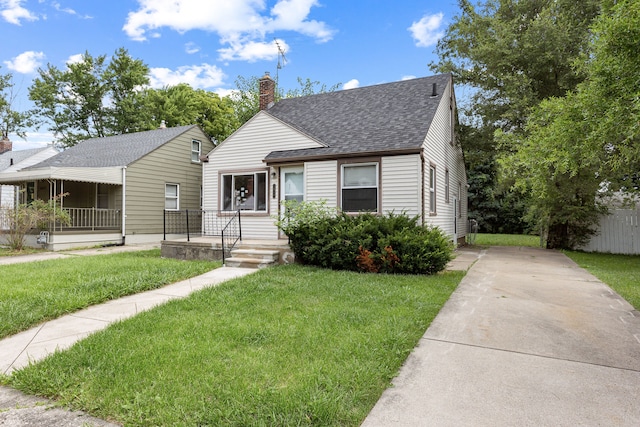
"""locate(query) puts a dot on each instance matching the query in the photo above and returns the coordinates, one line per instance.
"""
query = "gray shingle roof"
(391, 116)
(118, 150)
(17, 156)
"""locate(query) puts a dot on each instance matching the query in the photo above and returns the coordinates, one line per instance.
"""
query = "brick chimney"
(267, 91)
(5, 145)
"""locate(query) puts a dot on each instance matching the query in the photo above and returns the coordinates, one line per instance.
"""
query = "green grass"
(288, 345)
(507, 240)
(5, 251)
(620, 272)
(31, 293)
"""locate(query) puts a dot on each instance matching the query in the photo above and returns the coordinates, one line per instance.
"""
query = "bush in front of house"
(391, 243)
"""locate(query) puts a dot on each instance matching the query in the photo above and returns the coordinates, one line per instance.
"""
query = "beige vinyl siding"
(439, 151)
(244, 151)
(146, 179)
(400, 186)
(321, 181)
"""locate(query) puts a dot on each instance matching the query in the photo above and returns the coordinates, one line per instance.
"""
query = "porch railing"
(198, 223)
(92, 219)
(5, 218)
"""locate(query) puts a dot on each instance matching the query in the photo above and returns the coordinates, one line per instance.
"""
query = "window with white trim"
(245, 191)
(432, 189)
(172, 197)
(196, 150)
(359, 187)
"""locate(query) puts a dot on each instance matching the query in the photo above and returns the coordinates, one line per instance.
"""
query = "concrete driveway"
(527, 339)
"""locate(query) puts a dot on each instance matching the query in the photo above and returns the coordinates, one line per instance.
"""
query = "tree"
(11, 121)
(91, 98)
(513, 54)
(182, 105)
(585, 143)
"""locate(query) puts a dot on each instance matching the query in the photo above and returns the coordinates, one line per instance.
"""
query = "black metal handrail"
(198, 223)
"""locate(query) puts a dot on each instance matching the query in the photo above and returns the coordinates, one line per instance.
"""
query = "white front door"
(292, 183)
(291, 186)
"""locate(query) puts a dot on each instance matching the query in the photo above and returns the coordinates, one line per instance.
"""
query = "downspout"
(124, 203)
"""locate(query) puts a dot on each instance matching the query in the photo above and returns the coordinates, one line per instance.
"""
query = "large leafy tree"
(585, 143)
(182, 105)
(11, 121)
(512, 54)
(91, 98)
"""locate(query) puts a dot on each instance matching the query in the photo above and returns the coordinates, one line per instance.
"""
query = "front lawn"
(31, 293)
(620, 272)
(288, 345)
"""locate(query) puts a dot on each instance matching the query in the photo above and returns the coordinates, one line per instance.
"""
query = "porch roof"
(105, 175)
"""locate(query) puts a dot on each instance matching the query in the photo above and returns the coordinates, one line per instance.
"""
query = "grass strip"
(483, 239)
(620, 272)
(31, 293)
(288, 345)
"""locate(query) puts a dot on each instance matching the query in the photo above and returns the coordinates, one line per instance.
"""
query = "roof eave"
(337, 156)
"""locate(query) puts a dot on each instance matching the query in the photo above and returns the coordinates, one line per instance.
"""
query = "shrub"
(388, 243)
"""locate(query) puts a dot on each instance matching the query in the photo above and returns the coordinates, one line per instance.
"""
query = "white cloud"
(351, 84)
(68, 10)
(251, 51)
(409, 77)
(74, 59)
(426, 31)
(191, 48)
(25, 63)
(12, 12)
(33, 140)
(197, 76)
(237, 23)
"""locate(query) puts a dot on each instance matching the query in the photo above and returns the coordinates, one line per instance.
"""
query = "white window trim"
(433, 206)
(177, 197)
(199, 152)
(255, 180)
(377, 183)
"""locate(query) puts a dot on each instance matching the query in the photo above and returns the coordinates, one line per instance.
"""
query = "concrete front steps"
(260, 254)
(253, 258)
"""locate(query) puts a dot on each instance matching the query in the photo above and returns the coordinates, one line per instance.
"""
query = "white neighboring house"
(384, 148)
(13, 161)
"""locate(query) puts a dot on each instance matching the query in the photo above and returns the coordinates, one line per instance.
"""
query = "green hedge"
(388, 243)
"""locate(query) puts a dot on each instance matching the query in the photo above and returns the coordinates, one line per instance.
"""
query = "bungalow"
(11, 161)
(384, 148)
(117, 188)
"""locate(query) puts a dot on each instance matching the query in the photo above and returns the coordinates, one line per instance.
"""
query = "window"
(446, 186)
(432, 189)
(196, 151)
(360, 187)
(247, 191)
(172, 197)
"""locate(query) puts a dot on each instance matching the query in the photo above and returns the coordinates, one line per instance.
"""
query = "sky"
(209, 43)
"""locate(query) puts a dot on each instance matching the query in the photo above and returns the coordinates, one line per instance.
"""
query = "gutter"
(124, 203)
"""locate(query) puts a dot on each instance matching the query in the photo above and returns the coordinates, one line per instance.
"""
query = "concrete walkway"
(19, 409)
(527, 339)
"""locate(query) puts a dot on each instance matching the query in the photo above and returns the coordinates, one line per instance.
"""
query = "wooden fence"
(618, 233)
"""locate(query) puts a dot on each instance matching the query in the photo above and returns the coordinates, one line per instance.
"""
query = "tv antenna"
(282, 60)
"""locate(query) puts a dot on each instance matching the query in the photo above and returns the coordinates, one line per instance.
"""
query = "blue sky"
(208, 43)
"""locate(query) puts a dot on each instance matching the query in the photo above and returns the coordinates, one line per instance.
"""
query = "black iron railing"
(199, 223)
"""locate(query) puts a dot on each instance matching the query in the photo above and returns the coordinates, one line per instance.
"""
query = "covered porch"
(94, 203)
